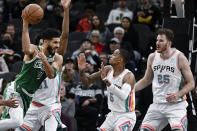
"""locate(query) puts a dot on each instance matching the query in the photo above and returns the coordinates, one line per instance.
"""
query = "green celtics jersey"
(32, 74)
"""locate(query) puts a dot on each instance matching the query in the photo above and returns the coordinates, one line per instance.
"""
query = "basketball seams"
(26, 11)
(33, 11)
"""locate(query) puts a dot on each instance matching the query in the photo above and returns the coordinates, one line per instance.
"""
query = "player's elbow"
(51, 76)
(192, 84)
(26, 51)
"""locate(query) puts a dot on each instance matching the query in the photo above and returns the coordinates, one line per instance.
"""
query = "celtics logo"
(38, 64)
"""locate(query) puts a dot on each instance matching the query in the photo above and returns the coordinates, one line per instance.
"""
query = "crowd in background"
(97, 28)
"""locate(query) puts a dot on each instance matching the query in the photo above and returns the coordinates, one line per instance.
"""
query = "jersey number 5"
(163, 79)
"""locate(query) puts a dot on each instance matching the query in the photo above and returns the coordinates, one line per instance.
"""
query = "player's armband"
(126, 87)
(121, 92)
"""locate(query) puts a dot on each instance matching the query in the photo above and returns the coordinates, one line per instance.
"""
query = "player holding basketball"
(121, 95)
(45, 108)
(39, 63)
(167, 69)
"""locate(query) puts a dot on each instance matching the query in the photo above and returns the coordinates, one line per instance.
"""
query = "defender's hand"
(65, 3)
(81, 59)
(103, 71)
(12, 103)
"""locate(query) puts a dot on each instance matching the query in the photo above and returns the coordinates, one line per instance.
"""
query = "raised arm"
(65, 27)
(27, 47)
(148, 77)
(188, 79)
(82, 65)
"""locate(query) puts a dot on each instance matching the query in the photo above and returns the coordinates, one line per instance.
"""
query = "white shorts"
(159, 115)
(36, 116)
(119, 122)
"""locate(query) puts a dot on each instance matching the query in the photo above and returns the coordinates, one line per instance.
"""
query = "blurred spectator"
(12, 41)
(113, 45)
(89, 99)
(84, 25)
(95, 40)
(130, 34)
(17, 8)
(5, 10)
(91, 4)
(98, 24)
(70, 75)
(67, 110)
(88, 49)
(42, 3)
(104, 58)
(116, 15)
(10, 47)
(2, 24)
(68, 105)
(54, 16)
(148, 13)
(119, 33)
(3, 66)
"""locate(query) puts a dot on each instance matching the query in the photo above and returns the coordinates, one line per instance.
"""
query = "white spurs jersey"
(49, 91)
(167, 77)
(114, 102)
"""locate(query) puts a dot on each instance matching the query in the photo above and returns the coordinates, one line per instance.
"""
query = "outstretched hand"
(24, 17)
(41, 54)
(65, 3)
(103, 71)
(12, 103)
(81, 59)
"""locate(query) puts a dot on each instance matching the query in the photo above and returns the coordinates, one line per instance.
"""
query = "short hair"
(86, 40)
(95, 32)
(50, 33)
(126, 17)
(119, 28)
(125, 55)
(167, 32)
(37, 39)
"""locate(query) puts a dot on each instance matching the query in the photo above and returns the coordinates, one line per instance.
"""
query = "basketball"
(33, 13)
